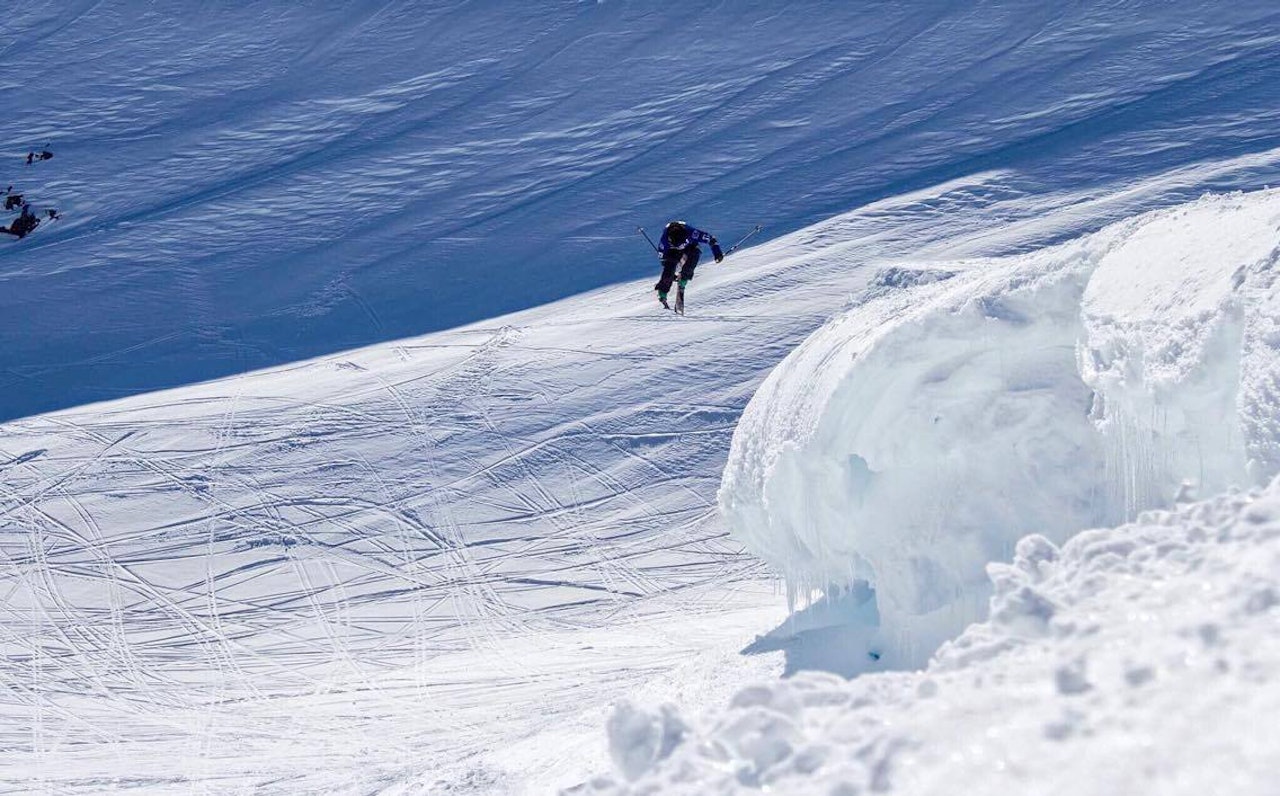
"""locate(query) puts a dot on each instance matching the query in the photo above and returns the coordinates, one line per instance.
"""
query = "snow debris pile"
(921, 434)
(1139, 659)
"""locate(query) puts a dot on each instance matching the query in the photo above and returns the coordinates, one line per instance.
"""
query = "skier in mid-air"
(679, 252)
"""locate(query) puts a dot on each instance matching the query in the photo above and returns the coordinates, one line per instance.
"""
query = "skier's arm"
(706, 237)
(663, 244)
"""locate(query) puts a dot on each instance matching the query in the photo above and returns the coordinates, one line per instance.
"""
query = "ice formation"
(1137, 659)
(920, 435)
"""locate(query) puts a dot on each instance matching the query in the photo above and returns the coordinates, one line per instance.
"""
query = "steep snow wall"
(1165, 350)
(917, 437)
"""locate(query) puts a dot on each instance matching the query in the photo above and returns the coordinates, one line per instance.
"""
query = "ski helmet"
(677, 232)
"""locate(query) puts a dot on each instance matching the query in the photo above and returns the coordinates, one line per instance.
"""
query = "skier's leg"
(691, 258)
(670, 261)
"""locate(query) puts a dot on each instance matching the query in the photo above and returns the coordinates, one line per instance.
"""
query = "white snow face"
(918, 436)
(1180, 348)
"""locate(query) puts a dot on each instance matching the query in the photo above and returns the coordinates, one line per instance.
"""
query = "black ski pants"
(673, 259)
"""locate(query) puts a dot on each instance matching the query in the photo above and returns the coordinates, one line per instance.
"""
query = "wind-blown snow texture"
(246, 185)
(921, 434)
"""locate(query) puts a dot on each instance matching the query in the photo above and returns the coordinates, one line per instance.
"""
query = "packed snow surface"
(919, 435)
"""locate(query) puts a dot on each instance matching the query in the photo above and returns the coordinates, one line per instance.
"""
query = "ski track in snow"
(430, 564)
(421, 565)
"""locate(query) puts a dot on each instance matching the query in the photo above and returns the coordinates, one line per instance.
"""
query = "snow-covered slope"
(426, 564)
(918, 436)
(430, 564)
(966, 413)
(247, 185)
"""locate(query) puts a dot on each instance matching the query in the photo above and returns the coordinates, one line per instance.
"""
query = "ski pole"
(732, 248)
(646, 237)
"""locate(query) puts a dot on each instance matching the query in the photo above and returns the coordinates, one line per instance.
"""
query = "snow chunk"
(908, 443)
(918, 436)
(638, 738)
(1153, 673)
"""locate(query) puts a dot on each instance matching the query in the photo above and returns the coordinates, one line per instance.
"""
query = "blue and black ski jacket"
(696, 236)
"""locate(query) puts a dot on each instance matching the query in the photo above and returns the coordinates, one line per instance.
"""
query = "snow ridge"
(924, 432)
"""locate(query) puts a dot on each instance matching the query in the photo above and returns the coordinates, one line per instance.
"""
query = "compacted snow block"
(639, 739)
(1181, 349)
(917, 437)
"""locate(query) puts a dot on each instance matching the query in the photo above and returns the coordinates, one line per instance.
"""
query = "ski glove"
(715, 250)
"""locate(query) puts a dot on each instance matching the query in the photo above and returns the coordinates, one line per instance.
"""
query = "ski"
(679, 307)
